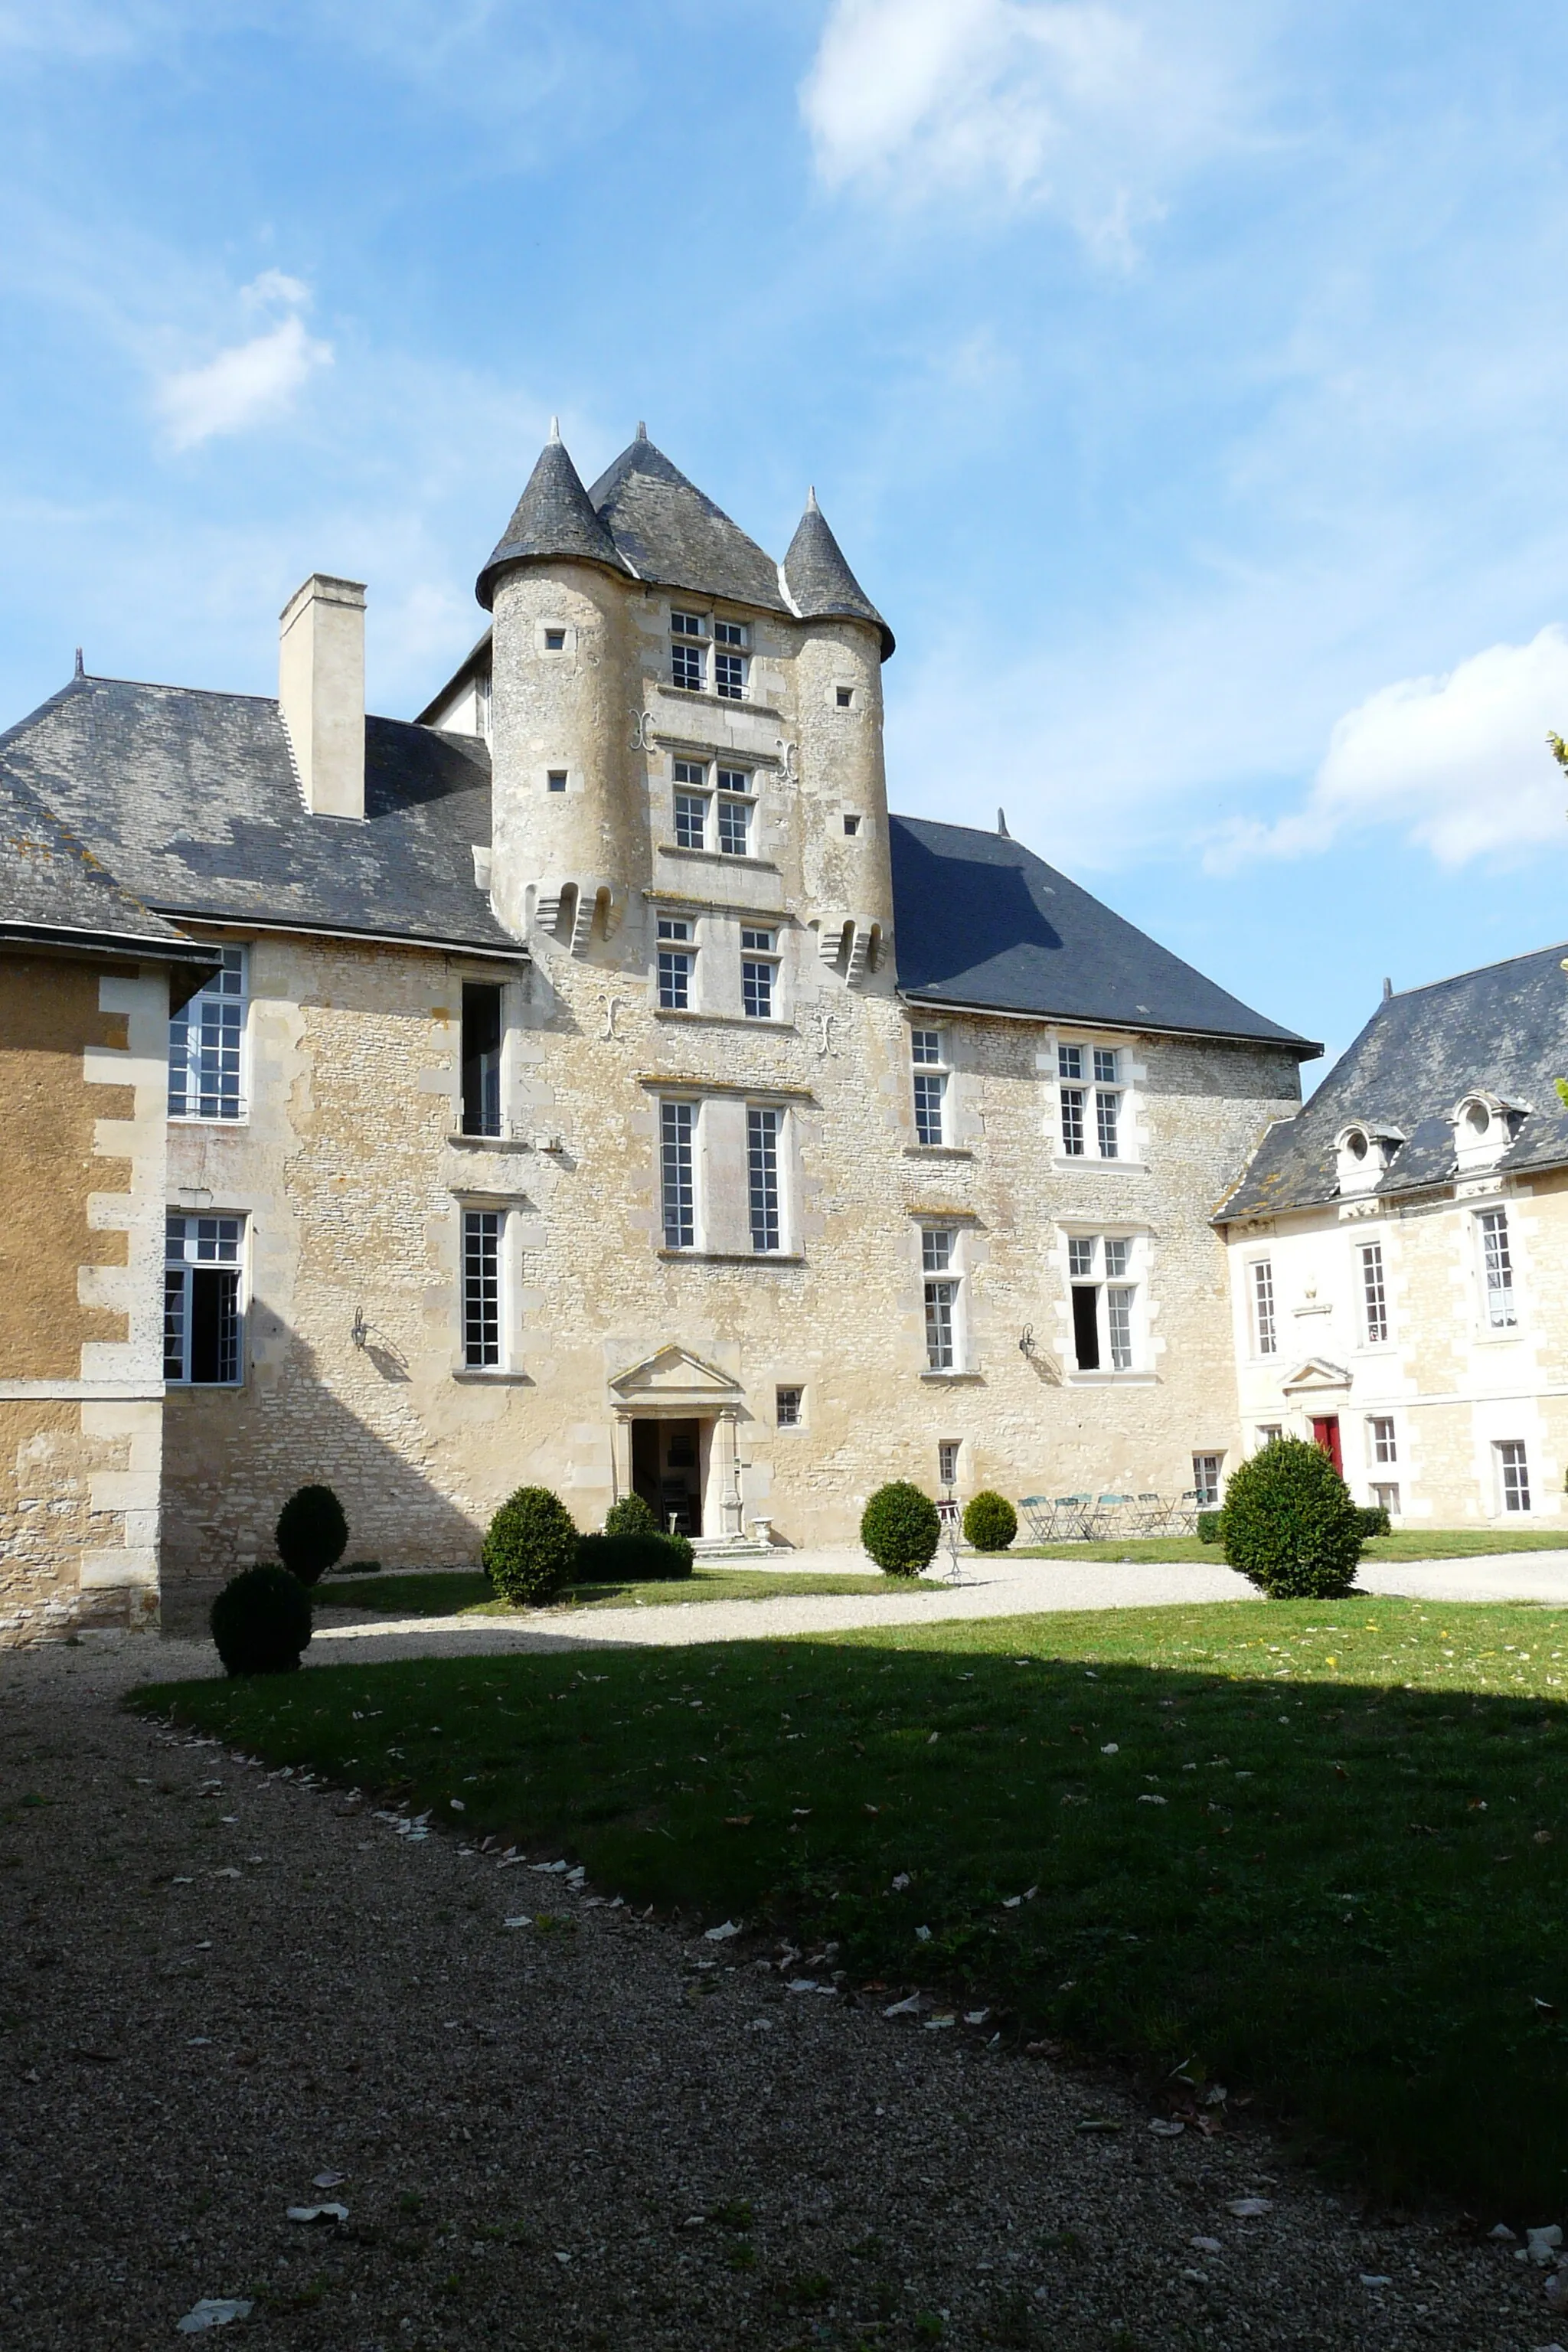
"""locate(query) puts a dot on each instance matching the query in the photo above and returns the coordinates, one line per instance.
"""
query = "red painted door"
(1326, 1434)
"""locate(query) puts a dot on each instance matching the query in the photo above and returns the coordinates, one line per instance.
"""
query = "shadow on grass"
(1340, 1894)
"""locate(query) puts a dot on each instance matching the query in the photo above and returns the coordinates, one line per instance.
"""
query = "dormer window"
(1363, 1155)
(1484, 1126)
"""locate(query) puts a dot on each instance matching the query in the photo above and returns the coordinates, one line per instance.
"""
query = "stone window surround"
(787, 1100)
(1128, 1087)
(509, 1368)
(699, 913)
(1141, 1373)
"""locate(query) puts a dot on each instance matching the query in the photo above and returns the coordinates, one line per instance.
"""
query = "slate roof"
(981, 920)
(191, 801)
(820, 582)
(1501, 1031)
(53, 889)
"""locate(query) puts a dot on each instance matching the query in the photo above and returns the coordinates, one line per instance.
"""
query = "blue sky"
(1188, 383)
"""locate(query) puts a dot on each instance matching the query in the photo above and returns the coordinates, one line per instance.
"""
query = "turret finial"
(79, 669)
(811, 505)
(1002, 825)
(642, 429)
(555, 428)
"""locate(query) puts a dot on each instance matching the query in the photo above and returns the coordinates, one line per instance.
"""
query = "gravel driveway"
(597, 2132)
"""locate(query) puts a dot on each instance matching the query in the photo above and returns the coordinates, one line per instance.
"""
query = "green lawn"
(1437, 1543)
(450, 1593)
(1315, 1850)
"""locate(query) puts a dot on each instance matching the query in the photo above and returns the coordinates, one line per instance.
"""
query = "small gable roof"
(1501, 1031)
(980, 920)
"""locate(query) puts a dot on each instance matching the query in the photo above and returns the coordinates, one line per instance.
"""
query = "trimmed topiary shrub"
(899, 1529)
(632, 1558)
(631, 1517)
(311, 1533)
(530, 1548)
(1209, 1526)
(990, 1522)
(1374, 1520)
(261, 1622)
(1288, 1523)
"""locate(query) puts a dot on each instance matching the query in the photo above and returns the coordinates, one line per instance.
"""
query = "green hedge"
(530, 1549)
(631, 1517)
(990, 1522)
(1209, 1525)
(632, 1558)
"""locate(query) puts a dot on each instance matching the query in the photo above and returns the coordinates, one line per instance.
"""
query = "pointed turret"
(554, 519)
(819, 581)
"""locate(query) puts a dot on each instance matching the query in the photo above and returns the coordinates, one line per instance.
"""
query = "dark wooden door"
(1326, 1434)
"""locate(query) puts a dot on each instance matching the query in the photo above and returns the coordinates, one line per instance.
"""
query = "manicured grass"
(450, 1593)
(1437, 1543)
(1348, 1898)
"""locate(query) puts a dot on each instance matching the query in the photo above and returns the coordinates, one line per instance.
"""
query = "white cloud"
(1067, 99)
(1459, 761)
(251, 382)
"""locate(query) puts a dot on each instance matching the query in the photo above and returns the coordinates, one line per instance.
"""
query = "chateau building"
(592, 1085)
(1399, 1255)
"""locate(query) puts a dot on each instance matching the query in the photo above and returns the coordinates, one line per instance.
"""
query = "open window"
(481, 1057)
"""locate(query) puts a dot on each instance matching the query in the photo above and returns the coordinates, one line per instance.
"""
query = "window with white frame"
(1385, 1497)
(1265, 1330)
(206, 1040)
(762, 1124)
(692, 802)
(1374, 1294)
(1268, 1433)
(677, 955)
(931, 1086)
(939, 1266)
(204, 1320)
(482, 1303)
(1206, 1480)
(688, 651)
(1070, 1073)
(677, 1185)
(734, 812)
(1104, 1293)
(788, 1408)
(758, 973)
(1513, 1473)
(1497, 1269)
(1089, 1089)
(1381, 1444)
(947, 1461)
(709, 656)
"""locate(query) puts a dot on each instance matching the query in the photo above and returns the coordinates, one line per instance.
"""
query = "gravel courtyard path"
(219, 1985)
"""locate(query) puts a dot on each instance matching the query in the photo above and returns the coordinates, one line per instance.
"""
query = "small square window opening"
(851, 823)
(557, 779)
(787, 1408)
(554, 641)
(844, 696)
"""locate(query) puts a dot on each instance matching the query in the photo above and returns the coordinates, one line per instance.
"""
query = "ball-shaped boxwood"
(530, 1548)
(899, 1529)
(261, 1622)
(631, 1517)
(990, 1522)
(1288, 1523)
(312, 1533)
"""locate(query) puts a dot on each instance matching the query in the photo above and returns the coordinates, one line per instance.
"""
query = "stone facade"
(83, 1055)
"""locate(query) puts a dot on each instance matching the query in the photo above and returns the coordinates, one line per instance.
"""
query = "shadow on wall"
(232, 1457)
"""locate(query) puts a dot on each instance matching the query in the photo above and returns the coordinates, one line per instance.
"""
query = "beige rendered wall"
(83, 1049)
(1454, 1386)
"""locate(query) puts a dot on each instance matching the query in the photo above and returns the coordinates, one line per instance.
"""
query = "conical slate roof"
(554, 517)
(643, 516)
(820, 582)
(669, 532)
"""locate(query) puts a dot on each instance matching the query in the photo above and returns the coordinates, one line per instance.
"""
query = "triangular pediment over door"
(675, 1382)
(1317, 1377)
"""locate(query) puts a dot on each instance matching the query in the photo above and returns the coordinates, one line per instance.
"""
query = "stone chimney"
(321, 691)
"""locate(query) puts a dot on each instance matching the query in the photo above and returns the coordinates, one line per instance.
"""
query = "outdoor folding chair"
(1185, 1514)
(1152, 1513)
(1040, 1516)
(1072, 1516)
